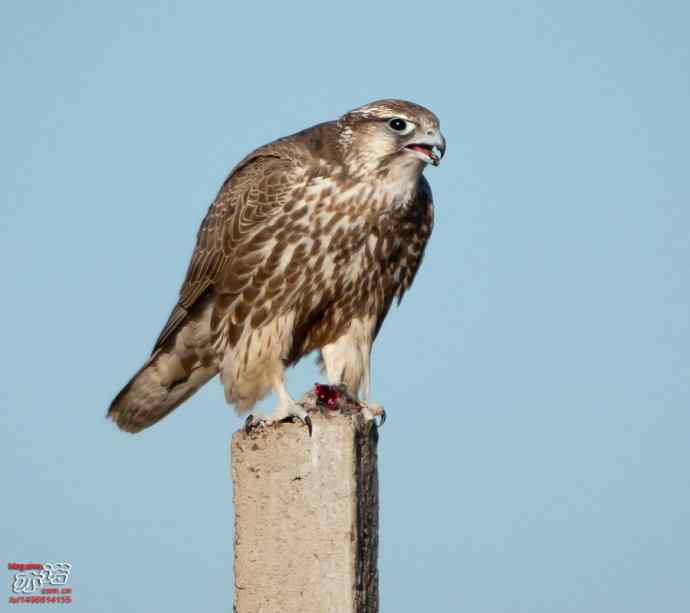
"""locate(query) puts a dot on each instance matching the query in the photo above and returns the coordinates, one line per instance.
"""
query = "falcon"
(309, 241)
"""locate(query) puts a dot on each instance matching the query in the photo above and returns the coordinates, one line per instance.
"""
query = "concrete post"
(306, 517)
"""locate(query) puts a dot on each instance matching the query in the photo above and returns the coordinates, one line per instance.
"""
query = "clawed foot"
(324, 398)
(256, 421)
(337, 398)
(372, 411)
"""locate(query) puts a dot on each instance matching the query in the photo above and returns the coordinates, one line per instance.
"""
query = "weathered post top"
(306, 517)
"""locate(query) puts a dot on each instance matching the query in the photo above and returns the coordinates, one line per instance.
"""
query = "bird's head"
(389, 133)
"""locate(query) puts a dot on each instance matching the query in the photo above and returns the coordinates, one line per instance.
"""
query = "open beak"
(431, 149)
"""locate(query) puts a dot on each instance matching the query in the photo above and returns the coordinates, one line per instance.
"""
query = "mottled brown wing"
(418, 227)
(414, 233)
(255, 192)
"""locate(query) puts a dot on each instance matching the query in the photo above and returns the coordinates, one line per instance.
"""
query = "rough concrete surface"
(306, 517)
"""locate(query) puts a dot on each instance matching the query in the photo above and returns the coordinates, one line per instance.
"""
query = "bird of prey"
(307, 244)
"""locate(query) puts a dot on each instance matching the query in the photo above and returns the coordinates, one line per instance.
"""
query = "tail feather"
(172, 374)
(150, 395)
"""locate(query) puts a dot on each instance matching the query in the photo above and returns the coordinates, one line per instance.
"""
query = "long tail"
(171, 375)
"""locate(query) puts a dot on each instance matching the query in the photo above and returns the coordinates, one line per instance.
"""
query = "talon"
(254, 422)
(372, 411)
(305, 421)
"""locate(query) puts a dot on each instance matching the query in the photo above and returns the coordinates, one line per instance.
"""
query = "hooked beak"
(430, 149)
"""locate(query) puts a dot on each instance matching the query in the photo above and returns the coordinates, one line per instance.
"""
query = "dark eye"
(401, 126)
(398, 124)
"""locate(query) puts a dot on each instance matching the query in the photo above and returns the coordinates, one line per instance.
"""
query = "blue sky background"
(537, 377)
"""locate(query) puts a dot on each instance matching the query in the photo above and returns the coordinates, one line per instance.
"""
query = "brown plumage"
(307, 244)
